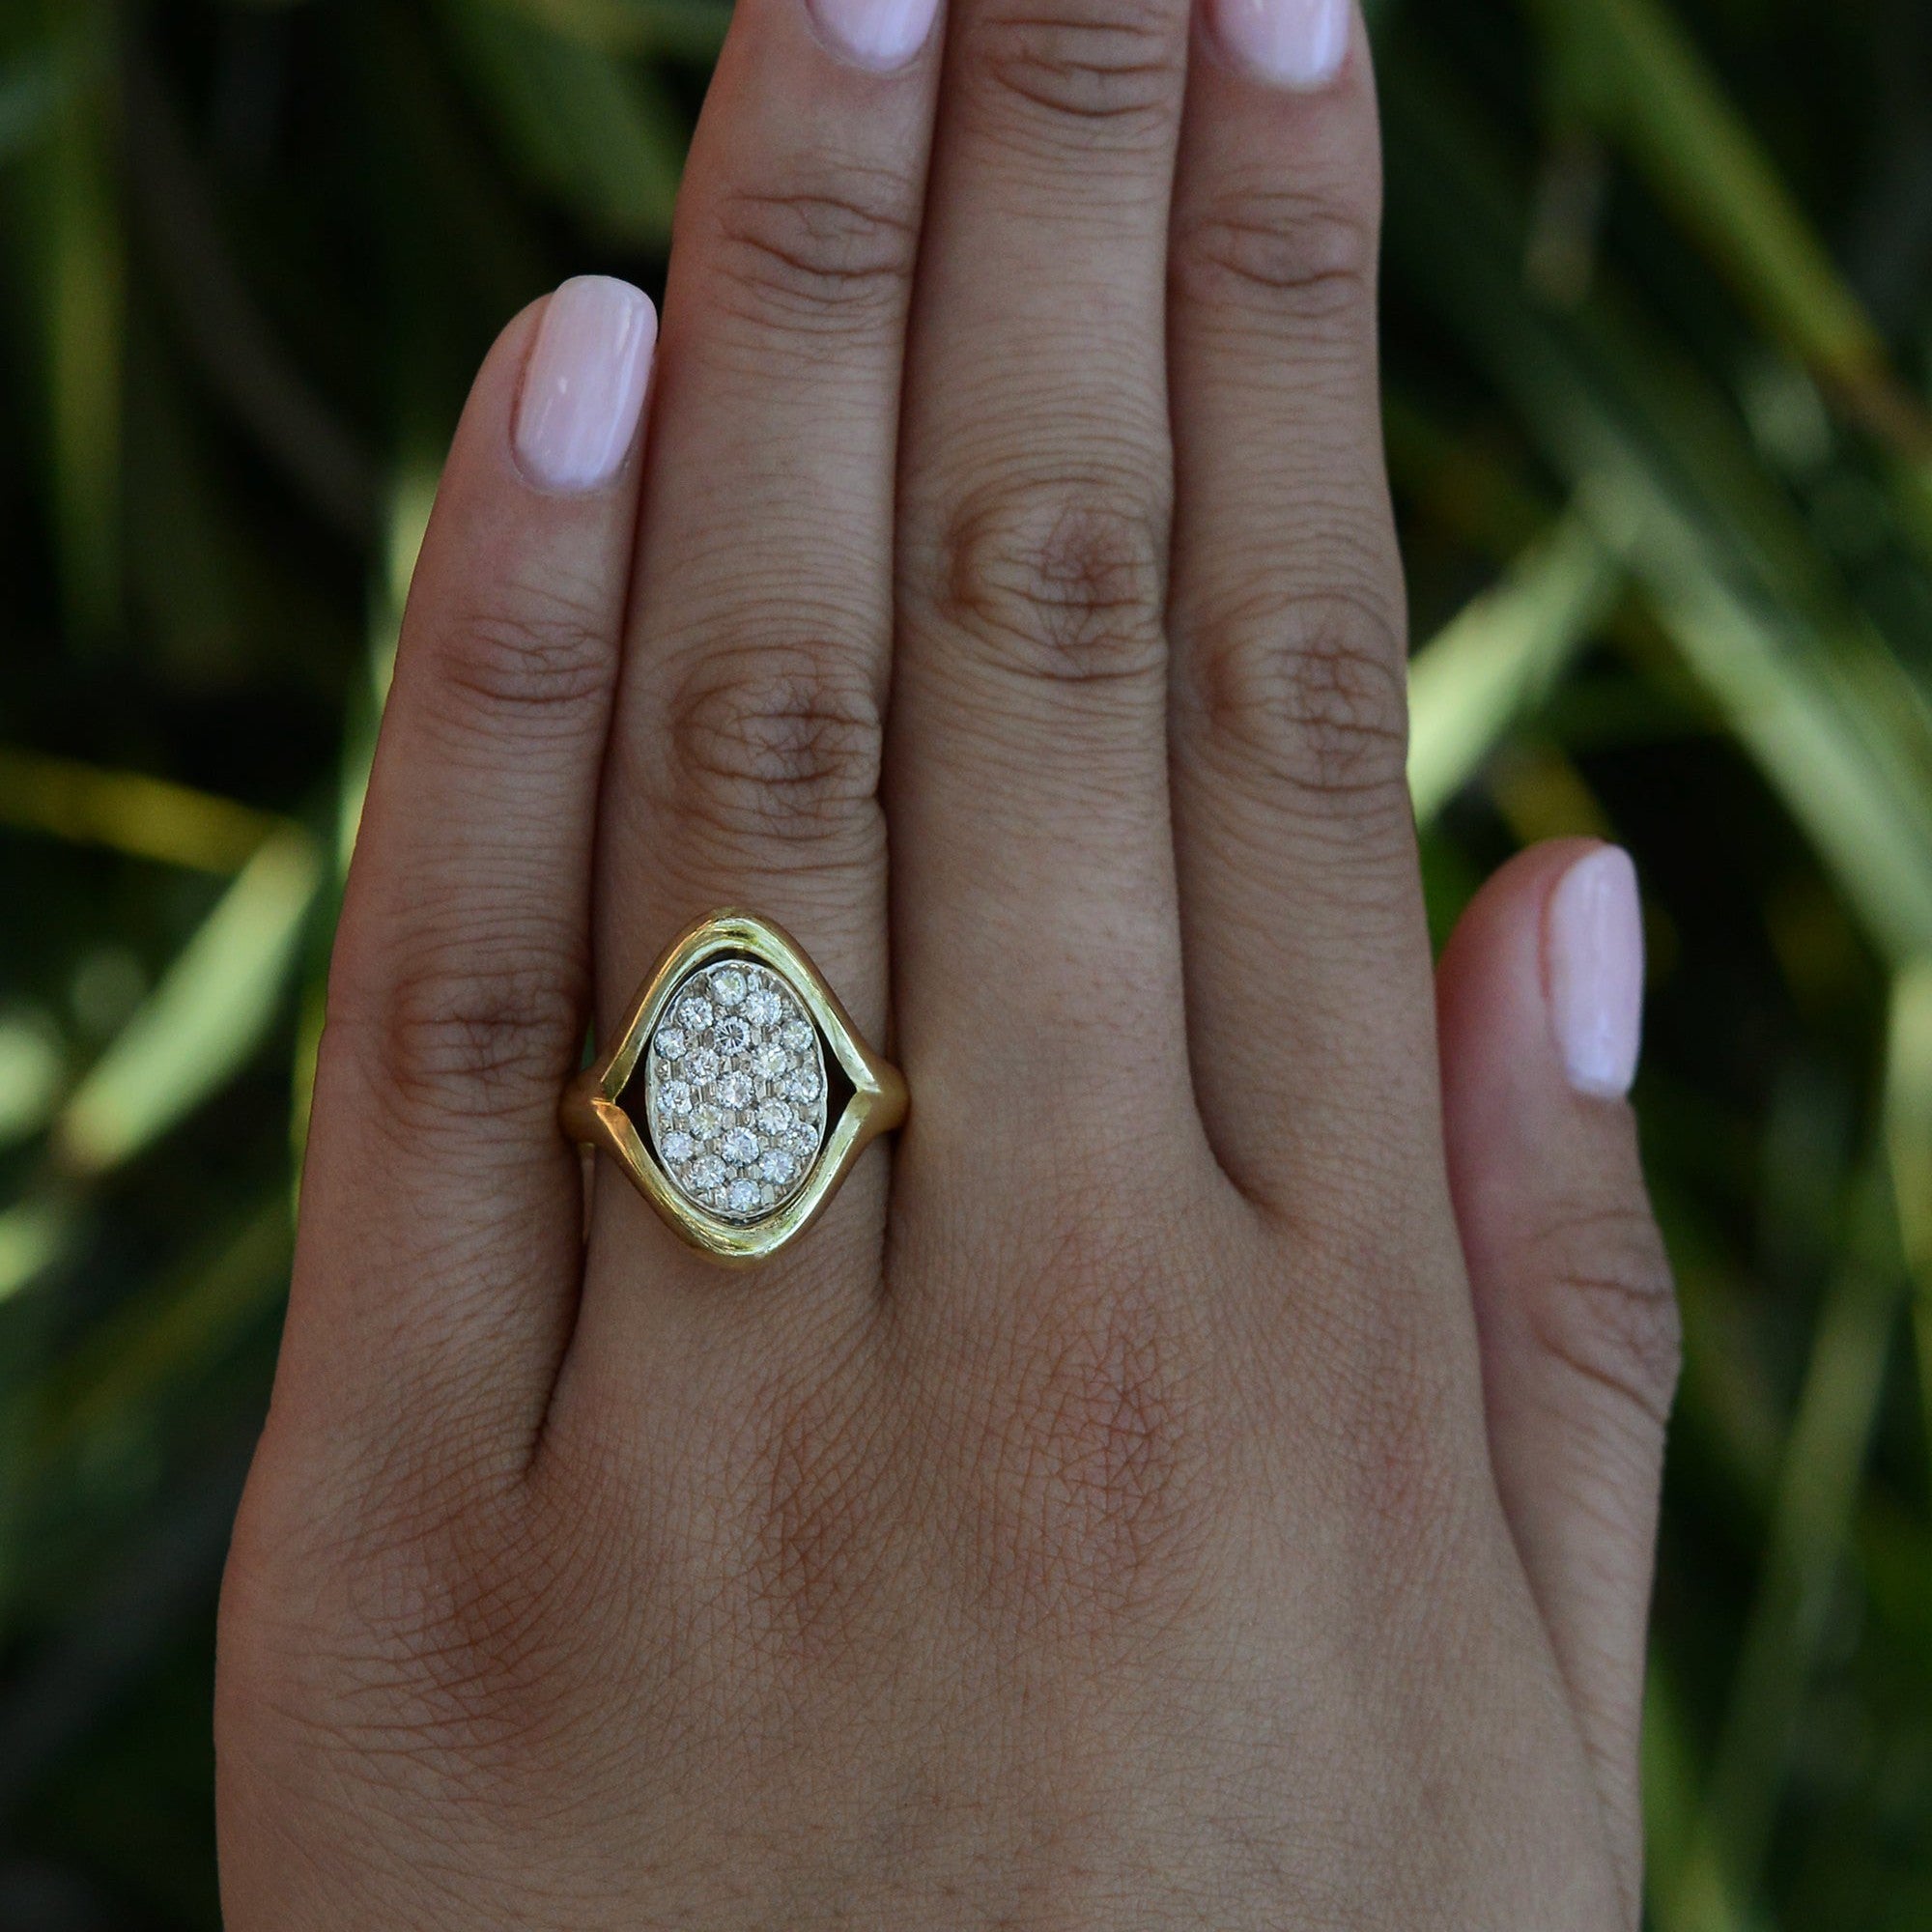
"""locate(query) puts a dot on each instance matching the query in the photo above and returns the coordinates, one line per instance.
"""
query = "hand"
(1204, 1472)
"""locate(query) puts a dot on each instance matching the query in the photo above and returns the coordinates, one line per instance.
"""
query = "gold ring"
(737, 1093)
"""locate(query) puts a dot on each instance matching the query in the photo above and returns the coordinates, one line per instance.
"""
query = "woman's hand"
(1202, 1474)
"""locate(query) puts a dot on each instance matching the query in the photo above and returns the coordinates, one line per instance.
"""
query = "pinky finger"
(1540, 992)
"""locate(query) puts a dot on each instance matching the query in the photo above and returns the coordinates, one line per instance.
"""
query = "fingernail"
(1593, 959)
(584, 383)
(1298, 44)
(878, 34)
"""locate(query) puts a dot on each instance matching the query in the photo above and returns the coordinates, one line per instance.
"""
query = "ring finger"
(744, 750)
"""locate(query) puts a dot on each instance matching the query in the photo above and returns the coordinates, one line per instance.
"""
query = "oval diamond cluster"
(735, 1090)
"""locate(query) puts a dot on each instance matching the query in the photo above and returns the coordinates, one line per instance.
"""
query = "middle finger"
(1033, 902)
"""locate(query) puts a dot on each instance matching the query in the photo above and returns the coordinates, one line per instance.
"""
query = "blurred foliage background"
(1660, 332)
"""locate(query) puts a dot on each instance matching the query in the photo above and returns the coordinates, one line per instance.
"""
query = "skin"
(1202, 1474)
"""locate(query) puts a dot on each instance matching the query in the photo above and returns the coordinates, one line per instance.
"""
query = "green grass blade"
(163, 1340)
(1832, 718)
(1482, 674)
(599, 133)
(128, 811)
(1824, 1463)
(32, 1236)
(1632, 67)
(690, 29)
(32, 90)
(1909, 1144)
(205, 1017)
(83, 291)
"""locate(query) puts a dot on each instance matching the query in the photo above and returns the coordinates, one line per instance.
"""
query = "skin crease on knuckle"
(777, 737)
(1605, 1308)
(1060, 583)
(1309, 691)
(802, 262)
(538, 647)
(1072, 80)
(450, 1043)
(1285, 258)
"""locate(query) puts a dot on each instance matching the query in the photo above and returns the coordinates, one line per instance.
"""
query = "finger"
(1307, 958)
(744, 766)
(1541, 988)
(1032, 888)
(440, 1228)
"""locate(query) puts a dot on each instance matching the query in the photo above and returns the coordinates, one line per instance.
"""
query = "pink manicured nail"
(583, 386)
(878, 34)
(1593, 962)
(1298, 44)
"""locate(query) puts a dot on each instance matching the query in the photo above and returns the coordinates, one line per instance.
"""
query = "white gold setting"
(735, 1090)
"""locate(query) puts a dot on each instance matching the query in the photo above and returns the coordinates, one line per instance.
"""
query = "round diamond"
(695, 1014)
(674, 1096)
(764, 1008)
(701, 1066)
(727, 985)
(740, 1146)
(772, 1061)
(804, 1086)
(731, 1035)
(678, 1146)
(778, 1166)
(741, 1197)
(706, 1173)
(671, 1043)
(774, 1117)
(735, 1090)
(796, 1034)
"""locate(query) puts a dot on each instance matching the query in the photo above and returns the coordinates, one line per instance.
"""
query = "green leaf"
(602, 135)
(692, 30)
(33, 1234)
(32, 90)
(1631, 64)
(205, 1017)
(128, 811)
(1825, 1453)
(1490, 667)
(81, 288)
(1655, 462)
(1635, 72)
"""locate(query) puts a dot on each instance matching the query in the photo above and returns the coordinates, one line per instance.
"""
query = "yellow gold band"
(737, 1093)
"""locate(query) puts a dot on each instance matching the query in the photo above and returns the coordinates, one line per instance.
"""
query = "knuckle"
(1058, 581)
(1297, 254)
(1090, 1469)
(839, 253)
(446, 1035)
(1607, 1306)
(1313, 689)
(537, 651)
(439, 1637)
(1389, 1438)
(810, 1488)
(781, 739)
(1105, 67)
